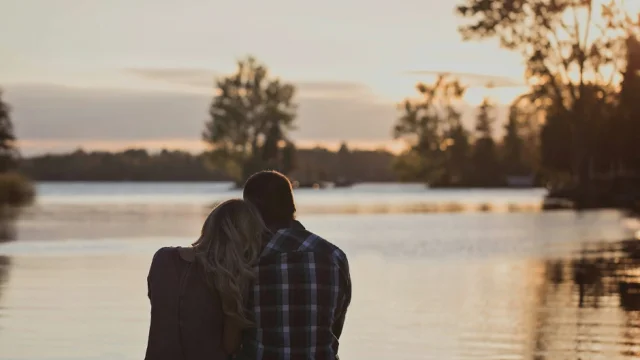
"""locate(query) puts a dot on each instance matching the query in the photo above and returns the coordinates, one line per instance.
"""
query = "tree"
(458, 151)
(250, 116)
(344, 149)
(289, 158)
(513, 145)
(8, 151)
(628, 117)
(567, 45)
(426, 125)
(557, 135)
(485, 160)
(529, 121)
(485, 119)
(344, 157)
(556, 144)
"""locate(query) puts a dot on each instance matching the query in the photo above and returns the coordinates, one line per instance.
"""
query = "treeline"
(444, 153)
(317, 164)
(344, 165)
(128, 165)
(582, 62)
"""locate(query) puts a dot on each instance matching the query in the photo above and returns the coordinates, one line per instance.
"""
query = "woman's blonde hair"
(230, 243)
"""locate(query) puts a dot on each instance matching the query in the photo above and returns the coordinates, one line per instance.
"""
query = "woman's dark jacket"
(186, 314)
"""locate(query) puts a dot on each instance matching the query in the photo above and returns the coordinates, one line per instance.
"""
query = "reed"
(16, 190)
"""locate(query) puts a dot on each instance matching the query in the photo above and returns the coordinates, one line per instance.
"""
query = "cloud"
(200, 78)
(334, 89)
(474, 79)
(205, 79)
(51, 114)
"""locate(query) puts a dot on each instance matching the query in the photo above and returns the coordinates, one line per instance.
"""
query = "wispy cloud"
(201, 78)
(473, 79)
(205, 80)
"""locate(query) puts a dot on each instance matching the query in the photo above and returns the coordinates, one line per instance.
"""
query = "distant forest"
(316, 164)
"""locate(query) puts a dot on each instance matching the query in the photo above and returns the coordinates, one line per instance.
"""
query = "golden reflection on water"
(138, 211)
(420, 208)
(590, 303)
(84, 221)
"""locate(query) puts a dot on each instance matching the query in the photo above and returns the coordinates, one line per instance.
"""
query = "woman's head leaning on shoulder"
(230, 243)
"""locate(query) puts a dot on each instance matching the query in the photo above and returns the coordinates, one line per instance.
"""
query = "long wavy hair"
(227, 249)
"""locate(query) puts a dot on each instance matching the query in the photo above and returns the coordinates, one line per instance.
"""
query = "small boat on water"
(342, 183)
(309, 185)
(526, 181)
(339, 183)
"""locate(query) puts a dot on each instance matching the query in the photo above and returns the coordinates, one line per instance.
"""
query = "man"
(303, 286)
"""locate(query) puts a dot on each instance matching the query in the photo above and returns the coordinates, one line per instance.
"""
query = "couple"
(256, 285)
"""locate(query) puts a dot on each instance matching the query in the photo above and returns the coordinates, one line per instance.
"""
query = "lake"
(437, 274)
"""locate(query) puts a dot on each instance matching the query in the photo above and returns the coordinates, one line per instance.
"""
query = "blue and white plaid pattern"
(300, 298)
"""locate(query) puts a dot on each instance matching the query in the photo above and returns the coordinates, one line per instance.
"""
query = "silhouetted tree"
(556, 143)
(250, 116)
(485, 119)
(343, 159)
(529, 117)
(425, 126)
(8, 150)
(628, 117)
(567, 45)
(289, 158)
(458, 151)
(513, 145)
(602, 133)
(485, 160)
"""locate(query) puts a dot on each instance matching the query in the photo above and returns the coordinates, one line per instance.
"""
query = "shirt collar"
(272, 243)
(297, 225)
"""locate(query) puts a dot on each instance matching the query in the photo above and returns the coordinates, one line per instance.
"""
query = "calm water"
(458, 274)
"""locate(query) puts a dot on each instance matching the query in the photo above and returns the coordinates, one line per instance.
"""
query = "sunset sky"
(115, 73)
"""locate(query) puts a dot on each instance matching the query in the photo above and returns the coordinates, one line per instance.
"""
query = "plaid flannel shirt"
(299, 300)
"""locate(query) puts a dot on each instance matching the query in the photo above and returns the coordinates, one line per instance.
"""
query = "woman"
(197, 293)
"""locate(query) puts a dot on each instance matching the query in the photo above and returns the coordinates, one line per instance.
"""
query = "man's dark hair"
(271, 192)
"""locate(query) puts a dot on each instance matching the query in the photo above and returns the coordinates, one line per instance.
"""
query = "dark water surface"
(459, 274)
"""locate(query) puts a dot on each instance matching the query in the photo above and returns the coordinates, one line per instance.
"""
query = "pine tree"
(485, 160)
(8, 151)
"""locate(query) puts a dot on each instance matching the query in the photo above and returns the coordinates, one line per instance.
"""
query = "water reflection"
(7, 233)
(376, 208)
(420, 208)
(5, 264)
(469, 285)
(590, 304)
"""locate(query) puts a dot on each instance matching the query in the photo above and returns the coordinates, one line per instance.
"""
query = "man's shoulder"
(301, 240)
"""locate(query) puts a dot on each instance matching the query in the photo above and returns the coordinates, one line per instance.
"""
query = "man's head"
(271, 193)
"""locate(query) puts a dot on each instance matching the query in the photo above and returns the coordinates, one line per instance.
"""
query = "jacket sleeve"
(162, 342)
